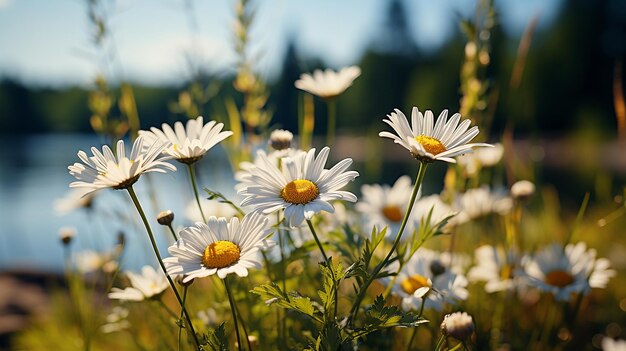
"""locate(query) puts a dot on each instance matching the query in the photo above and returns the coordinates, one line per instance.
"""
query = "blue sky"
(46, 42)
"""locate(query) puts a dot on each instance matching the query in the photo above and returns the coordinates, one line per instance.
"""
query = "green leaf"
(331, 276)
(378, 316)
(221, 198)
(273, 295)
(215, 339)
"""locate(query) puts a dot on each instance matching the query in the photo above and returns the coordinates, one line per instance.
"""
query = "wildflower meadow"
(430, 228)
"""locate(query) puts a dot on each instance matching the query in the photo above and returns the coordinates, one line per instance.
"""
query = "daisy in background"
(219, 247)
(189, 143)
(479, 202)
(88, 261)
(328, 84)
(610, 344)
(106, 170)
(301, 186)
(495, 267)
(116, 320)
(430, 141)
(425, 279)
(563, 272)
(146, 285)
(74, 199)
(384, 206)
(481, 158)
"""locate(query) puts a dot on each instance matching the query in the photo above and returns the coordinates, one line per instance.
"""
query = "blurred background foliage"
(565, 88)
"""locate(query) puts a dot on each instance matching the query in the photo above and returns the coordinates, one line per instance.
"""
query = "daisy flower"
(106, 170)
(481, 158)
(244, 174)
(428, 141)
(219, 247)
(144, 286)
(479, 202)
(116, 320)
(328, 84)
(302, 186)
(565, 272)
(74, 199)
(424, 279)
(385, 206)
(88, 261)
(494, 267)
(189, 143)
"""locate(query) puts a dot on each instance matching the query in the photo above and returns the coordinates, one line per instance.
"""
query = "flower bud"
(523, 190)
(437, 267)
(66, 234)
(281, 139)
(458, 325)
(165, 217)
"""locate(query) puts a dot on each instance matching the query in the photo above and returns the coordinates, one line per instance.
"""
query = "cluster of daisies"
(298, 184)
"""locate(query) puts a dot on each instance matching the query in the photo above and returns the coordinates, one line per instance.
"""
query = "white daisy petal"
(189, 143)
(328, 84)
(304, 189)
(104, 170)
(429, 140)
(219, 247)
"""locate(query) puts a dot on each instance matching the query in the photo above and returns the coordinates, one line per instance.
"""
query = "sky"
(48, 43)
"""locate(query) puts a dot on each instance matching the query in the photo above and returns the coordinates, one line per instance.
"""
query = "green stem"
(548, 325)
(440, 342)
(457, 346)
(72, 281)
(172, 231)
(408, 347)
(133, 196)
(328, 264)
(180, 327)
(231, 300)
(332, 121)
(243, 326)
(377, 269)
(283, 271)
(192, 178)
(166, 309)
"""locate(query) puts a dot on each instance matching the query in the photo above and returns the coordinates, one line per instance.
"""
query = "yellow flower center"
(299, 191)
(414, 282)
(392, 213)
(220, 254)
(559, 278)
(506, 272)
(430, 144)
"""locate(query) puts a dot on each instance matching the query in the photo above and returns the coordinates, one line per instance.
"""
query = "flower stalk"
(363, 290)
(192, 178)
(142, 214)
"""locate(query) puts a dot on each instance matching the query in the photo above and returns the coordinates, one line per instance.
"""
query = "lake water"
(33, 174)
